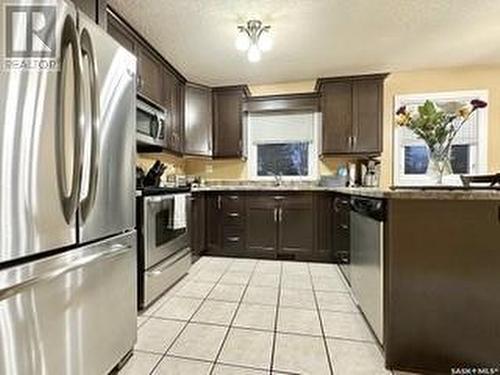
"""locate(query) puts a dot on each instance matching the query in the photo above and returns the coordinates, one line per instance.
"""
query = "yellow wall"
(414, 82)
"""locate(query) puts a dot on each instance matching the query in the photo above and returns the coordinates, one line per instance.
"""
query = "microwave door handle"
(88, 51)
(69, 195)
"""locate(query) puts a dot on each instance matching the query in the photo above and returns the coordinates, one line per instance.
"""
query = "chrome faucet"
(277, 180)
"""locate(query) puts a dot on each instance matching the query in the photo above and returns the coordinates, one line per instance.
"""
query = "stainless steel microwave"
(151, 124)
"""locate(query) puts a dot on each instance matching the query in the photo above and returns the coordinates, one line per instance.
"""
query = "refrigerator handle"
(88, 52)
(69, 195)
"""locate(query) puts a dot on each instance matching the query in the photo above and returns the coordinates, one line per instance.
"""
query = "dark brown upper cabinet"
(122, 34)
(198, 120)
(352, 114)
(173, 101)
(228, 120)
(149, 75)
(157, 80)
(95, 9)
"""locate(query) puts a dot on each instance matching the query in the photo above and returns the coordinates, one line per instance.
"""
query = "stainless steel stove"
(164, 254)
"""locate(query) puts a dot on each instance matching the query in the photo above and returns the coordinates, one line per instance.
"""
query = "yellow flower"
(402, 119)
(464, 111)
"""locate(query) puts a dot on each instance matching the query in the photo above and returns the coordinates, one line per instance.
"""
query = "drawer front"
(232, 202)
(73, 313)
(233, 242)
(233, 218)
(164, 275)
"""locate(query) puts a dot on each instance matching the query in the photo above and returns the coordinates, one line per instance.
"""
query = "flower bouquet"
(437, 126)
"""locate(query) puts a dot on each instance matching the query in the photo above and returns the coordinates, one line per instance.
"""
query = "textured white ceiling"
(317, 38)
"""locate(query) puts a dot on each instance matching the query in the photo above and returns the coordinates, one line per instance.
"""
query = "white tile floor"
(246, 316)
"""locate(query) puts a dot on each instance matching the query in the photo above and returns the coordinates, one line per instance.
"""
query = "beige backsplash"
(175, 164)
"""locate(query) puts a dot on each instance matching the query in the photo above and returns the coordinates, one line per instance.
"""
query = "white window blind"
(281, 128)
(284, 143)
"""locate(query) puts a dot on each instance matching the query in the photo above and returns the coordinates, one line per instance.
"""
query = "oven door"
(161, 238)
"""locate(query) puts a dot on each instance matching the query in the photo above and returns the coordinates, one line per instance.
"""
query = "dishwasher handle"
(370, 207)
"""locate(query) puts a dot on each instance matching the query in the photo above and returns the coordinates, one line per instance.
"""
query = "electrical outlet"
(209, 168)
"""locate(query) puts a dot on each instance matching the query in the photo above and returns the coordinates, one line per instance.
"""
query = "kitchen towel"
(180, 221)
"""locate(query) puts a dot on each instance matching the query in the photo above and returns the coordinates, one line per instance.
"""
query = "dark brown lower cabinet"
(213, 224)
(197, 224)
(261, 226)
(323, 225)
(295, 226)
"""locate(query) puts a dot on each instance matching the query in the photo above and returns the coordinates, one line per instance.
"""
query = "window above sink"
(283, 144)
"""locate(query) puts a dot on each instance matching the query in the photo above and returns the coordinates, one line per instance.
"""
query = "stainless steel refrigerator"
(67, 201)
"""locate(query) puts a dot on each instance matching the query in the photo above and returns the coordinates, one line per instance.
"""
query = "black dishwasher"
(367, 250)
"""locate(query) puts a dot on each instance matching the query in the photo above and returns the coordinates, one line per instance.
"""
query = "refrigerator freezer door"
(73, 313)
(39, 145)
(108, 183)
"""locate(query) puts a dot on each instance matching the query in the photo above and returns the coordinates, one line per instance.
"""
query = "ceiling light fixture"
(254, 38)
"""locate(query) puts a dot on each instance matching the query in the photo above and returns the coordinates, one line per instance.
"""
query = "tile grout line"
(188, 321)
(273, 348)
(232, 321)
(325, 343)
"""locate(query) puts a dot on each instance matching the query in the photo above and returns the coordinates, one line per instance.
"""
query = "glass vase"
(439, 163)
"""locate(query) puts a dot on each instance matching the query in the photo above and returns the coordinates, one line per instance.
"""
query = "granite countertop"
(368, 192)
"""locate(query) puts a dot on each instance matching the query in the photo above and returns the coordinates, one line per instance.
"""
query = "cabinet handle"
(219, 202)
(233, 239)
(344, 226)
(336, 204)
(280, 215)
(233, 214)
(354, 141)
(233, 197)
(276, 215)
(279, 198)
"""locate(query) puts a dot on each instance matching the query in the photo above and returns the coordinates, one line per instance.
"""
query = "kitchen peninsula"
(437, 265)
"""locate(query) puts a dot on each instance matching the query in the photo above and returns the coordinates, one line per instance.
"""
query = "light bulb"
(265, 42)
(242, 41)
(254, 53)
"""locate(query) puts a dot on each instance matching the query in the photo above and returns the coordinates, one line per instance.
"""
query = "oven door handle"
(158, 199)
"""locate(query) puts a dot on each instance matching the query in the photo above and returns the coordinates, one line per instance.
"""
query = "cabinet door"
(197, 224)
(336, 109)
(228, 122)
(172, 99)
(296, 224)
(262, 225)
(213, 224)
(367, 119)
(324, 226)
(198, 121)
(150, 74)
(119, 32)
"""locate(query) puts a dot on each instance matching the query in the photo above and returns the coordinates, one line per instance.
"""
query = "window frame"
(480, 157)
(313, 154)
